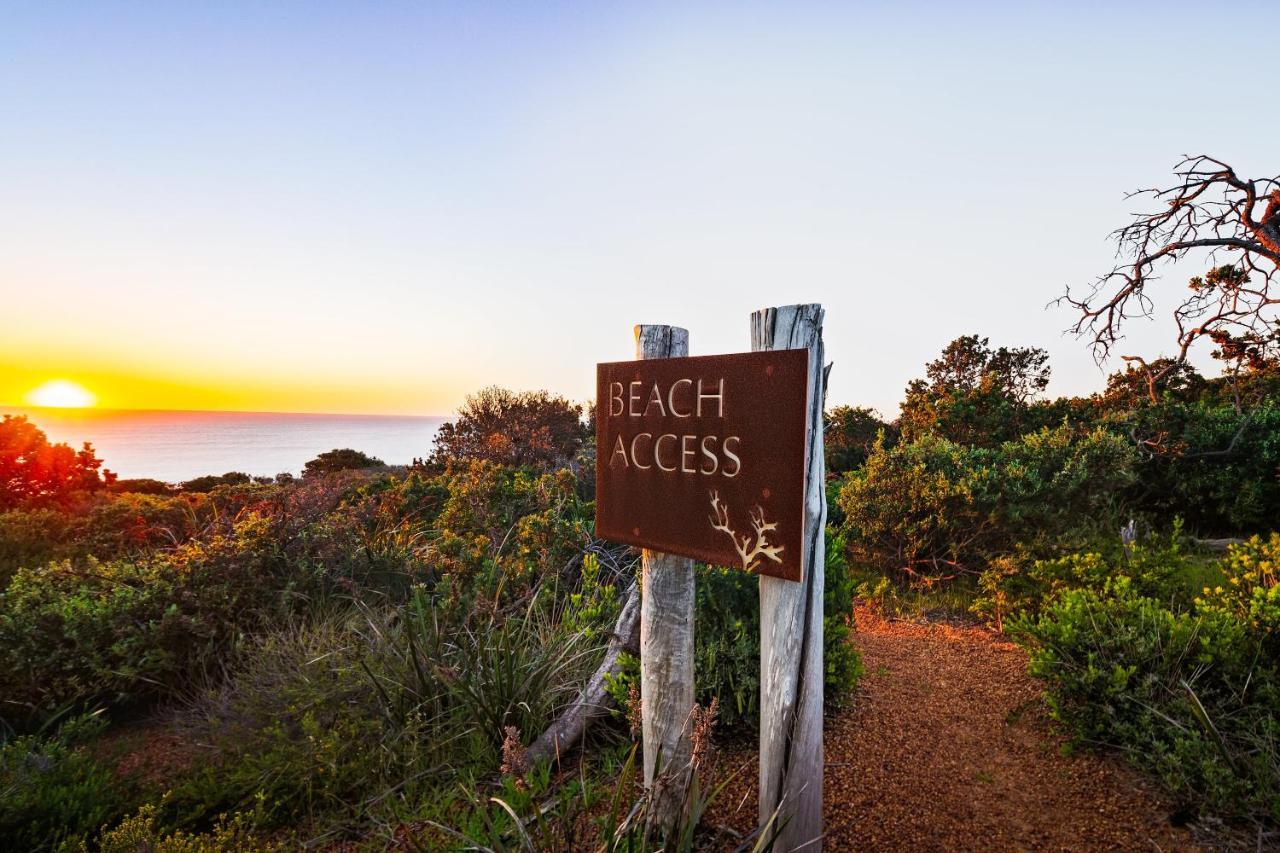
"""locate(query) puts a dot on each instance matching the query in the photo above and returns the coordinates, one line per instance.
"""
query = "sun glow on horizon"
(61, 394)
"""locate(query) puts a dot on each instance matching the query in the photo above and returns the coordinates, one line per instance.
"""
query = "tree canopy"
(32, 469)
(533, 428)
(340, 459)
(974, 394)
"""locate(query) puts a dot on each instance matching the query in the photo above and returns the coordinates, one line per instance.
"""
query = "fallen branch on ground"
(595, 701)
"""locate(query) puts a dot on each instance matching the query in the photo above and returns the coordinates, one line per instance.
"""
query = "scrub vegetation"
(357, 655)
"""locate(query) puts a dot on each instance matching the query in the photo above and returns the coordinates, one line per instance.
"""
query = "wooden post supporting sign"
(666, 642)
(791, 671)
(719, 458)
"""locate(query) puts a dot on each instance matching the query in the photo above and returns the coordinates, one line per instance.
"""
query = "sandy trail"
(947, 747)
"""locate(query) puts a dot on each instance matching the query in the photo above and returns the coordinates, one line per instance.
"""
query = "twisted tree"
(1210, 209)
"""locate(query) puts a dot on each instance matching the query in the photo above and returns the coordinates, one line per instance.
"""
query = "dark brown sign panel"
(705, 456)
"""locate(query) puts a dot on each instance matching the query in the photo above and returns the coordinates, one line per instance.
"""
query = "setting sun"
(61, 394)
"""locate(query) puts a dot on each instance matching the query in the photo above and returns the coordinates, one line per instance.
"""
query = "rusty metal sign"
(705, 457)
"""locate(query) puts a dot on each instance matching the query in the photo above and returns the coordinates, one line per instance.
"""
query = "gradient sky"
(381, 207)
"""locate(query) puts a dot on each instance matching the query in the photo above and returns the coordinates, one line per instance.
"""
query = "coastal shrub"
(1161, 566)
(522, 429)
(209, 482)
(1216, 467)
(52, 789)
(503, 530)
(727, 643)
(932, 506)
(1190, 692)
(30, 538)
(1249, 591)
(112, 526)
(143, 832)
(341, 459)
(141, 486)
(77, 633)
(849, 434)
(975, 395)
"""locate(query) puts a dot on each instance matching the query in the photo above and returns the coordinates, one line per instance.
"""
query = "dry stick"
(666, 643)
(791, 669)
(595, 701)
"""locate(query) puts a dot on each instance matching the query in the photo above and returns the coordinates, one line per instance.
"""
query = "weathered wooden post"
(791, 759)
(719, 458)
(666, 641)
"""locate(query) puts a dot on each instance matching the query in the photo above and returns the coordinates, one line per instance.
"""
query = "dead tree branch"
(594, 701)
(1234, 222)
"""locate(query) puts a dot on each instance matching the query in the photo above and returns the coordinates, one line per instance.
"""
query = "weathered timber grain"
(791, 670)
(666, 642)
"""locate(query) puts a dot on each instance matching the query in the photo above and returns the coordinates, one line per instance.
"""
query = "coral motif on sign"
(751, 553)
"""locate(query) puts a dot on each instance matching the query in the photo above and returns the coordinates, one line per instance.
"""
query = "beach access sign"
(705, 457)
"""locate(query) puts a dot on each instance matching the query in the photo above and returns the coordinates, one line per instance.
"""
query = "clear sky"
(358, 207)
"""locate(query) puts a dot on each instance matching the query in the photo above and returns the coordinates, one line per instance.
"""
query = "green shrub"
(52, 790)
(1250, 592)
(932, 506)
(30, 538)
(108, 527)
(341, 459)
(842, 664)
(1215, 466)
(1191, 693)
(120, 631)
(508, 529)
(727, 643)
(141, 832)
(209, 482)
(1159, 567)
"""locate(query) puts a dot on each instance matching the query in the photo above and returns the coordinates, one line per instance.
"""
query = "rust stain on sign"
(705, 457)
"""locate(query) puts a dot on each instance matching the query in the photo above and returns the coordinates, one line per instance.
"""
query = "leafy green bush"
(534, 429)
(119, 631)
(727, 643)
(1160, 567)
(111, 526)
(1250, 591)
(30, 538)
(340, 459)
(508, 529)
(1193, 693)
(52, 790)
(1212, 465)
(933, 506)
(209, 482)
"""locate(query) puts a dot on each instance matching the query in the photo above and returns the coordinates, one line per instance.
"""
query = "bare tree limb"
(1210, 209)
(594, 701)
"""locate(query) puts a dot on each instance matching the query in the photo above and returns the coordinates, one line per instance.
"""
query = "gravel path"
(947, 747)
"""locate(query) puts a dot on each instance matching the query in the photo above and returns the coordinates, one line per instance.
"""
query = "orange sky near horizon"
(195, 388)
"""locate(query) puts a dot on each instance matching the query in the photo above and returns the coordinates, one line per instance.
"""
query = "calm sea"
(175, 446)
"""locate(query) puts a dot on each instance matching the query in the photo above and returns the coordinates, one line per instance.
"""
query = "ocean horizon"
(177, 445)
